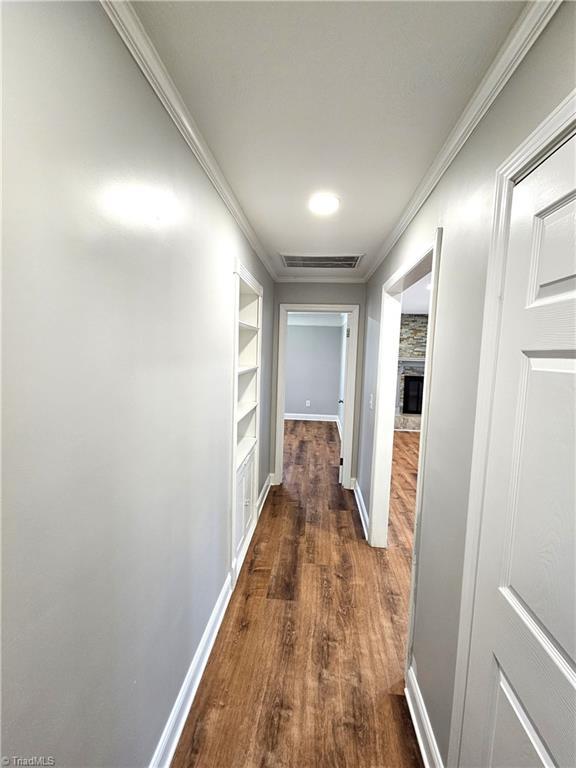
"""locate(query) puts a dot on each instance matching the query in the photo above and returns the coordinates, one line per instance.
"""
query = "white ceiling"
(416, 299)
(356, 98)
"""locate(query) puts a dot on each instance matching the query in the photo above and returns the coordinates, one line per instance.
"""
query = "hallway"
(307, 669)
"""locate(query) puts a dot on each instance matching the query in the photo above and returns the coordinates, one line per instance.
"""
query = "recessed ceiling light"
(323, 203)
(429, 287)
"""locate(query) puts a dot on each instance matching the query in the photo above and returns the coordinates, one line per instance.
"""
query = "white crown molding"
(357, 279)
(129, 27)
(522, 37)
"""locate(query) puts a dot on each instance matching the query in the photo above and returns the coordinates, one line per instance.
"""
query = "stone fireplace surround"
(411, 362)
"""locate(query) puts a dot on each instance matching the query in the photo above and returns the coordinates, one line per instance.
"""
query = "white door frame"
(353, 310)
(551, 133)
(387, 381)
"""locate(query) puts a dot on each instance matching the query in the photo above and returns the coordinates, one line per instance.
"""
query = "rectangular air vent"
(346, 261)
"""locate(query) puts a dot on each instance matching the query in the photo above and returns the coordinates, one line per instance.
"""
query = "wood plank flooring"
(307, 669)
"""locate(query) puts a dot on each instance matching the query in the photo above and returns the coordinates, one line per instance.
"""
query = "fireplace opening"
(413, 391)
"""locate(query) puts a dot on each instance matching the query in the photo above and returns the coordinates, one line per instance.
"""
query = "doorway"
(405, 358)
(317, 354)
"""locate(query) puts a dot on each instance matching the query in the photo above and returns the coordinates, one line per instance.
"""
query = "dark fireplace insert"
(413, 389)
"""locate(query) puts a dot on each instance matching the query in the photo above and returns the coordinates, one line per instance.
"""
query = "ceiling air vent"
(347, 261)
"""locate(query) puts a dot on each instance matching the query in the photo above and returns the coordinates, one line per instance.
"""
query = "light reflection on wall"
(140, 206)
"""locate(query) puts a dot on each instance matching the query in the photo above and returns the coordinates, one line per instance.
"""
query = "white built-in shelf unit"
(246, 408)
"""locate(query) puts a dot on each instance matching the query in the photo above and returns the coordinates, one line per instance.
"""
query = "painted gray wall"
(462, 203)
(312, 369)
(117, 412)
(323, 293)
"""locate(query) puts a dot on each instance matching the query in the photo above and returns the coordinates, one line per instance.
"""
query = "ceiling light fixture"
(323, 203)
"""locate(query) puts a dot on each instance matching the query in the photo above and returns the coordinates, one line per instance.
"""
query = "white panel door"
(520, 708)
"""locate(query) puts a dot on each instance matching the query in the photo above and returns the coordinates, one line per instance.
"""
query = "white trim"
(172, 730)
(238, 562)
(310, 417)
(353, 310)
(422, 725)
(134, 36)
(361, 506)
(358, 279)
(522, 37)
(386, 390)
(423, 442)
(541, 143)
(250, 280)
(168, 742)
(246, 541)
(263, 495)
(339, 425)
(316, 319)
(242, 274)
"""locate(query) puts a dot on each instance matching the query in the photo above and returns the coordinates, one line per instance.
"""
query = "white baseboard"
(361, 506)
(422, 725)
(171, 734)
(339, 425)
(310, 417)
(172, 730)
(264, 494)
(237, 564)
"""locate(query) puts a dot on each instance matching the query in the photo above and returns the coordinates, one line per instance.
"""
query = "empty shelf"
(243, 449)
(244, 409)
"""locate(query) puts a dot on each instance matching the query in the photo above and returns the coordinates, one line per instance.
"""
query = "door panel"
(248, 493)
(515, 743)
(520, 707)
(556, 250)
(239, 511)
(542, 557)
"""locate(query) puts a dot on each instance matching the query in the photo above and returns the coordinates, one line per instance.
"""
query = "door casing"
(424, 262)
(353, 312)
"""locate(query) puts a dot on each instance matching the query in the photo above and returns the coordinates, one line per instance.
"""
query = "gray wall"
(117, 411)
(312, 369)
(323, 293)
(462, 203)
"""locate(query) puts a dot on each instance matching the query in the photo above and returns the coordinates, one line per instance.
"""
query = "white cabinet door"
(520, 708)
(239, 510)
(248, 492)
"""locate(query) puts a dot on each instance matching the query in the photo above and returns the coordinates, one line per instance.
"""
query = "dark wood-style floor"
(307, 669)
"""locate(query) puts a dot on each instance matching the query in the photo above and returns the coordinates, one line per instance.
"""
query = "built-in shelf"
(245, 465)
(244, 409)
(243, 449)
(247, 326)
